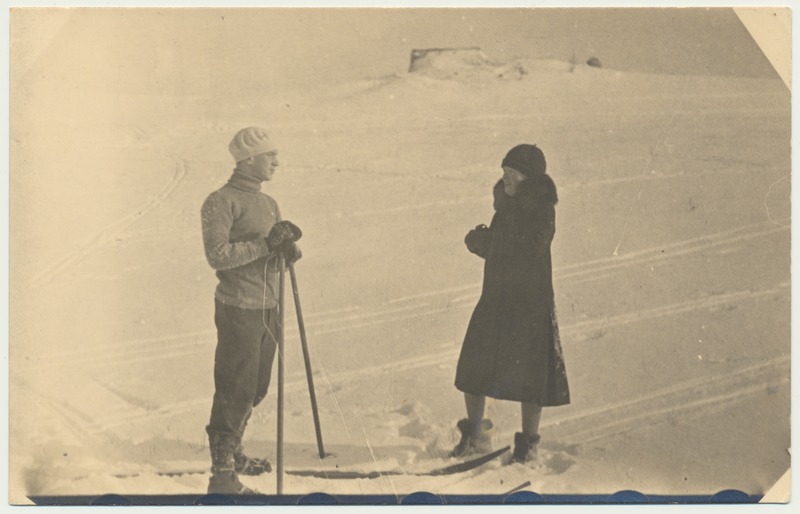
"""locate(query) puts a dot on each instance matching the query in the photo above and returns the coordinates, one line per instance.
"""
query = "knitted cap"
(250, 142)
(527, 159)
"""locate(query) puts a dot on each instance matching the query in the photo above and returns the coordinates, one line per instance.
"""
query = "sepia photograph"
(399, 255)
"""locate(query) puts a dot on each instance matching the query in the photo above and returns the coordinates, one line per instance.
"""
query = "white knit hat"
(250, 142)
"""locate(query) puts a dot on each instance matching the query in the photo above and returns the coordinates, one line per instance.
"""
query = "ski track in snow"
(444, 204)
(573, 332)
(109, 233)
(697, 395)
(689, 397)
(694, 395)
(441, 300)
(605, 421)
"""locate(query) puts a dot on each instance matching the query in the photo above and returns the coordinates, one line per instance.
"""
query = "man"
(243, 236)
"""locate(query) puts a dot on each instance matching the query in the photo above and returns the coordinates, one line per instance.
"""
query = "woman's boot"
(473, 441)
(525, 447)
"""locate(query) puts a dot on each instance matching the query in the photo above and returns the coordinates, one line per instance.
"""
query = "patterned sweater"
(235, 220)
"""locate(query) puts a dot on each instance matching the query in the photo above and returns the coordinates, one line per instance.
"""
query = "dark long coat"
(512, 349)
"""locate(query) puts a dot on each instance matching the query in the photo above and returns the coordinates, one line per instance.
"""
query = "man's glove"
(292, 253)
(479, 240)
(282, 234)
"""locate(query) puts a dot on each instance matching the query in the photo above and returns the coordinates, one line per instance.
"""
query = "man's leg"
(266, 357)
(255, 465)
(235, 380)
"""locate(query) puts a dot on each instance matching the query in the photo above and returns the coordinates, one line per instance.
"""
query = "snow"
(671, 274)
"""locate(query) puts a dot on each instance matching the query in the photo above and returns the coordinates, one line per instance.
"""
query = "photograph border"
(777, 51)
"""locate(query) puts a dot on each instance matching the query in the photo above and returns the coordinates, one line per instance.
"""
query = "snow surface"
(671, 275)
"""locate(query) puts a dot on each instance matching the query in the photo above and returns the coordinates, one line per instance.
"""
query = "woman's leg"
(474, 436)
(475, 407)
(531, 415)
(526, 442)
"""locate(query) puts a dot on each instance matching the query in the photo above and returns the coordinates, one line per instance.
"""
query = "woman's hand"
(479, 240)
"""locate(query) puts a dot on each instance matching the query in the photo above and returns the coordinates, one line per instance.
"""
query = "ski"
(452, 469)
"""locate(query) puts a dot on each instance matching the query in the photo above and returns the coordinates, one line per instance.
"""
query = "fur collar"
(532, 192)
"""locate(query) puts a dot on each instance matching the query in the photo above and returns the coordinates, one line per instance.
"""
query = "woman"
(511, 350)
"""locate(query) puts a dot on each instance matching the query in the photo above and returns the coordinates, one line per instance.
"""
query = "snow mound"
(472, 63)
(447, 61)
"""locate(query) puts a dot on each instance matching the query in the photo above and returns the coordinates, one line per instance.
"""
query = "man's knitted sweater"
(236, 218)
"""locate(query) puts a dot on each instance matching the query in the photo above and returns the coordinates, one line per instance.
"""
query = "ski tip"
(501, 451)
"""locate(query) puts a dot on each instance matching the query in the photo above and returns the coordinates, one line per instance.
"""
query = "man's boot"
(223, 474)
(245, 465)
(473, 441)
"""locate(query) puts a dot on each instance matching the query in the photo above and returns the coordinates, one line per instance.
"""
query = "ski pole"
(307, 360)
(281, 294)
